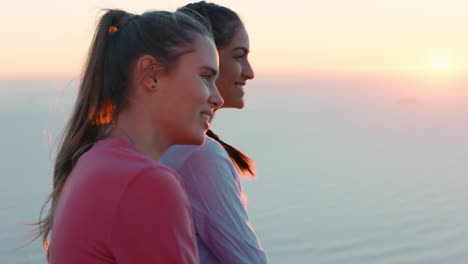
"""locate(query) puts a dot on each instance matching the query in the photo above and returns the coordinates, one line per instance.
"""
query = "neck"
(143, 137)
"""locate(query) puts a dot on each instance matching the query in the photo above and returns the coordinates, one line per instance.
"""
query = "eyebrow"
(211, 69)
(246, 50)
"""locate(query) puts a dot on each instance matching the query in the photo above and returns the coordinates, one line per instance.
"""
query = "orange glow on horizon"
(303, 36)
(440, 61)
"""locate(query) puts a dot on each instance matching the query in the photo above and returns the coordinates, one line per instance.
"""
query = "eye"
(206, 76)
(240, 56)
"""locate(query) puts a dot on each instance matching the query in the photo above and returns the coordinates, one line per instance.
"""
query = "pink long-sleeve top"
(119, 206)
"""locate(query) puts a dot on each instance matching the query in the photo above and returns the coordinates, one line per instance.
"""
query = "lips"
(206, 115)
(240, 83)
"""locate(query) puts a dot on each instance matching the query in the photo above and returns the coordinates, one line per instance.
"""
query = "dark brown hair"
(120, 39)
(223, 23)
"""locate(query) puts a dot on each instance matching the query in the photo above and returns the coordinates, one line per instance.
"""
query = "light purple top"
(219, 208)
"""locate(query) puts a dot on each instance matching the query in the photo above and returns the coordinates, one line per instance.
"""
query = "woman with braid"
(211, 172)
(112, 201)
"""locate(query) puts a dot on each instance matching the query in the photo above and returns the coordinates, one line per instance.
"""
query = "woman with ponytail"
(211, 172)
(112, 201)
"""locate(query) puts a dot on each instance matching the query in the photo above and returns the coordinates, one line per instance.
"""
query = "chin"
(235, 104)
(240, 105)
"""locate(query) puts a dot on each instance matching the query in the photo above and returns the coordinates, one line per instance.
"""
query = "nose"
(215, 98)
(247, 71)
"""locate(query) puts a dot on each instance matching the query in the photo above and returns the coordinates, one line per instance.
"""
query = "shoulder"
(155, 193)
(214, 148)
(178, 155)
(158, 182)
(205, 165)
(210, 150)
(210, 164)
(117, 163)
(111, 151)
(158, 175)
(212, 156)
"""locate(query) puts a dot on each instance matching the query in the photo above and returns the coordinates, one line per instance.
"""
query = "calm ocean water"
(351, 169)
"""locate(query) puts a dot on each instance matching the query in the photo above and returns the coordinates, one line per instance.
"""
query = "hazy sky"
(50, 38)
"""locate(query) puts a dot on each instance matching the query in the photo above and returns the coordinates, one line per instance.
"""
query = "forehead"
(241, 38)
(204, 52)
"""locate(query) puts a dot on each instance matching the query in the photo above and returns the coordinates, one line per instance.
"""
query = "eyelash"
(206, 76)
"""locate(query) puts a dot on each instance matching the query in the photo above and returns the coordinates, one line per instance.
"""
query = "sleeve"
(218, 208)
(153, 222)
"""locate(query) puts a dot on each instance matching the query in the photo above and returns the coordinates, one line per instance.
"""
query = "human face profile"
(190, 94)
(235, 70)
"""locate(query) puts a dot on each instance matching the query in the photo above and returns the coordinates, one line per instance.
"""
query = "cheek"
(223, 87)
(227, 76)
(230, 71)
(198, 91)
(194, 96)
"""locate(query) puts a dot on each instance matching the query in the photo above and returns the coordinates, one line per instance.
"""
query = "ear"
(147, 69)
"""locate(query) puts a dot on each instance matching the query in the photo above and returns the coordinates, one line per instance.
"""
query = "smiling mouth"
(205, 117)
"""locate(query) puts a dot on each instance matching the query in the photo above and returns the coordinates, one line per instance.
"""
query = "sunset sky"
(49, 39)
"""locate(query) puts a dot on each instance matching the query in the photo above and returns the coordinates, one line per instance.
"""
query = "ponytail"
(89, 122)
(119, 40)
(243, 163)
